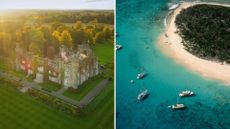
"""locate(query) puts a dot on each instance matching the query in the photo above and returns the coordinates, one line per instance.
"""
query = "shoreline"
(171, 46)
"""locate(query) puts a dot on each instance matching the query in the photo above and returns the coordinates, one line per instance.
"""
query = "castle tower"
(85, 49)
(77, 67)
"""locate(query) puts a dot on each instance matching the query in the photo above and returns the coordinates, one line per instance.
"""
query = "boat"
(177, 106)
(186, 93)
(142, 95)
(116, 34)
(141, 75)
(165, 22)
(118, 47)
(174, 6)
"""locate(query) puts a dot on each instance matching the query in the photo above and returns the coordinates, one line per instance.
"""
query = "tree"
(36, 35)
(56, 35)
(50, 52)
(80, 36)
(94, 22)
(55, 25)
(62, 28)
(37, 41)
(99, 27)
(48, 39)
(205, 31)
(66, 39)
(6, 43)
(107, 33)
(78, 25)
(89, 35)
(35, 49)
(35, 63)
(18, 36)
(99, 37)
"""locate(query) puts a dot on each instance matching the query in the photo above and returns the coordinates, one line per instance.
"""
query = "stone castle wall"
(69, 69)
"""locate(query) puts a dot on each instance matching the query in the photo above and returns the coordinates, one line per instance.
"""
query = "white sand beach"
(171, 46)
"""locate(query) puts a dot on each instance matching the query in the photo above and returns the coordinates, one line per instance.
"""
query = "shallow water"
(139, 23)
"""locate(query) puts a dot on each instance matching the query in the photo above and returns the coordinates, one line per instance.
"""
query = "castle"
(69, 68)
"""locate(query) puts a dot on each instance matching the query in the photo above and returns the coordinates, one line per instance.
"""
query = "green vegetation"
(20, 111)
(104, 51)
(6, 67)
(107, 100)
(205, 30)
(84, 89)
(4, 64)
(51, 86)
(42, 32)
(55, 102)
(17, 74)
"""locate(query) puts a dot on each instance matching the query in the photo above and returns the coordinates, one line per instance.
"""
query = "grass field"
(51, 86)
(3, 65)
(84, 89)
(20, 74)
(104, 52)
(103, 108)
(20, 111)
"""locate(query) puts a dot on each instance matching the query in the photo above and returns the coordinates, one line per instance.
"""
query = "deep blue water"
(139, 23)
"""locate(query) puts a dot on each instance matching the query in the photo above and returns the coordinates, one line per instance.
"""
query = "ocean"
(139, 23)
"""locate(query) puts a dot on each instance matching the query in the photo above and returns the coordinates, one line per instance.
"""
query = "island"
(197, 37)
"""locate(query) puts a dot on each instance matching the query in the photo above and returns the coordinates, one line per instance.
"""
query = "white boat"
(165, 22)
(118, 47)
(142, 95)
(141, 75)
(174, 6)
(186, 93)
(177, 106)
(116, 34)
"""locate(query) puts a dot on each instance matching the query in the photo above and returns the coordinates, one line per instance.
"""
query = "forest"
(41, 32)
(205, 30)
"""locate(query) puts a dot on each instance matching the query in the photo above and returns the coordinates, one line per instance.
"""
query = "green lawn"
(17, 74)
(51, 86)
(84, 89)
(104, 52)
(20, 111)
(3, 65)
(104, 102)
(20, 74)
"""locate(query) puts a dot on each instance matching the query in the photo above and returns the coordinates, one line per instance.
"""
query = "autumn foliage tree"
(107, 32)
(78, 25)
(35, 49)
(99, 37)
(43, 33)
(66, 39)
(5, 43)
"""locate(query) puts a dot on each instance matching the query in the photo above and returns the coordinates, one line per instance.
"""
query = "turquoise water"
(139, 23)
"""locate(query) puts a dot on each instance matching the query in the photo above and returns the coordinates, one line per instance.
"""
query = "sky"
(56, 4)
